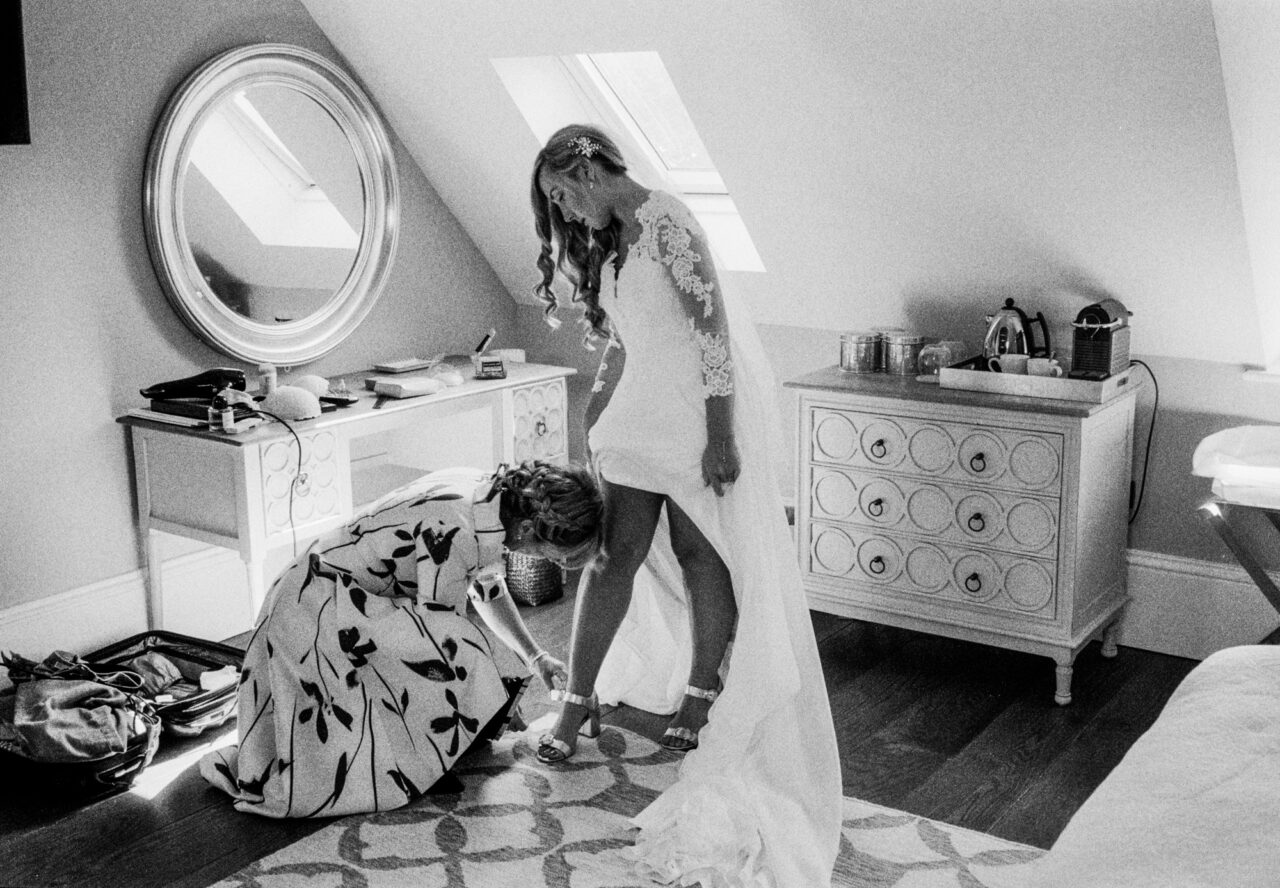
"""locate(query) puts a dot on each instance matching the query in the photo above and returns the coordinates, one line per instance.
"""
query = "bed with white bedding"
(1196, 800)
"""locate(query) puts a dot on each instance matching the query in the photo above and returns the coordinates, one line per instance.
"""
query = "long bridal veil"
(760, 797)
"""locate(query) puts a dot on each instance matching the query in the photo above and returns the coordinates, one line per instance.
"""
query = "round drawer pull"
(977, 523)
(876, 565)
(540, 427)
(875, 508)
(978, 462)
(878, 449)
(973, 583)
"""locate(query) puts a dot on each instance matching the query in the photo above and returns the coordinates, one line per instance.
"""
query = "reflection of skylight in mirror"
(262, 181)
(631, 96)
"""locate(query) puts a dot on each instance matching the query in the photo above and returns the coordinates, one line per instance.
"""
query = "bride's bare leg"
(713, 612)
(604, 592)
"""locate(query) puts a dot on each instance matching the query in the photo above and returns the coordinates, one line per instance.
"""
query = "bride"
(713, 616)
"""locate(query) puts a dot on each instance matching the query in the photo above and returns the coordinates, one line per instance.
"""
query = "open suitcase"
(187, 711)
(198, 710)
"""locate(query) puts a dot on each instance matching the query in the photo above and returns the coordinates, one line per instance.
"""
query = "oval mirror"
(272, 203)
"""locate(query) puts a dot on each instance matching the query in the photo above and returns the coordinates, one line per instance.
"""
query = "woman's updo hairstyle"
(579, 251)
(563, 502)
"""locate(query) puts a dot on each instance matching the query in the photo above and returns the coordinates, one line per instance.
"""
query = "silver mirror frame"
(300, 341)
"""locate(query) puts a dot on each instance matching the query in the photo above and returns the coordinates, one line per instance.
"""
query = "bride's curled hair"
(578, 251)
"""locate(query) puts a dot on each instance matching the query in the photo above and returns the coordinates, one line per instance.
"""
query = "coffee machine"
(1100, 340)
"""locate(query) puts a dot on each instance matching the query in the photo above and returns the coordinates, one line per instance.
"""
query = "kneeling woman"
(364, 679)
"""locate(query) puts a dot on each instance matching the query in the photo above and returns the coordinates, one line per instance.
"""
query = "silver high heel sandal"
(682, 739)
(551, 749)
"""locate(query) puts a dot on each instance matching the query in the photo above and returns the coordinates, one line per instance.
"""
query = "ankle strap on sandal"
(561, 696)
(708, 694)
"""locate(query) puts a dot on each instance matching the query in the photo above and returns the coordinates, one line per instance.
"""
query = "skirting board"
(1191, 608)
(1179, 606)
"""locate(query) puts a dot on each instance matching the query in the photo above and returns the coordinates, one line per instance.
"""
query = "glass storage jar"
(936, 355)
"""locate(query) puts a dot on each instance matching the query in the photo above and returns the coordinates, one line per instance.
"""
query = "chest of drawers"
(993, 518)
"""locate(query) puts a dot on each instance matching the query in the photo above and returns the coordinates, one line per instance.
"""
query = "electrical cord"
(1151, 427)
(298, 478)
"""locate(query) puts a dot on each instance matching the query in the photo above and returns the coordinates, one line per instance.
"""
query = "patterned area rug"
(519, 823)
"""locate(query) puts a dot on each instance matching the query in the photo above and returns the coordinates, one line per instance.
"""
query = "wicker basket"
(533, 580)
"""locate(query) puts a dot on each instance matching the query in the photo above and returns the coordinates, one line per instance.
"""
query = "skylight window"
(638, 82)
(631, 96)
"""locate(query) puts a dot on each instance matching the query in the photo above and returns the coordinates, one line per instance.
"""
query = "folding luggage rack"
(1244, 463)
(1217, 512)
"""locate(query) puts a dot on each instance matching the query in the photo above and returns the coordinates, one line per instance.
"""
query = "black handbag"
(25, 771)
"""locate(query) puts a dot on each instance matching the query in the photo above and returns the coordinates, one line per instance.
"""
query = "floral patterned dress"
(364, 679)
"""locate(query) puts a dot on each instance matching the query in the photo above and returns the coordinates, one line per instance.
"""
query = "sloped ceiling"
(904, 163)
(1249, 45)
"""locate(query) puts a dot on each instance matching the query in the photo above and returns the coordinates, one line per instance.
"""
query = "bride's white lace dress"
(758, 802)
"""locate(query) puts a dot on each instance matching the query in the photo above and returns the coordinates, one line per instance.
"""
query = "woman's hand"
(720, 464)
(552, 672)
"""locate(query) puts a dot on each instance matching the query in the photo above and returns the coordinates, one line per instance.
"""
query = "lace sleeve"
(679, 243)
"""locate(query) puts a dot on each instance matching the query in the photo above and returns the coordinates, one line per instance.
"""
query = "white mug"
(1008, 363)
(1045, 367)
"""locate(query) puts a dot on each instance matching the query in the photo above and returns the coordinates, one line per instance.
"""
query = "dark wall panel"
(14, 127)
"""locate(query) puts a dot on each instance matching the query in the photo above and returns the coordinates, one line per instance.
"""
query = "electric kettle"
(1009, 332)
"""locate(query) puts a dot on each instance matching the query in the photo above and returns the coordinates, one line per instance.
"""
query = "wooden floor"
(951, 730)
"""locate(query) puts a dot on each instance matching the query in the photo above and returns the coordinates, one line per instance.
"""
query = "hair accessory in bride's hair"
(584, 145)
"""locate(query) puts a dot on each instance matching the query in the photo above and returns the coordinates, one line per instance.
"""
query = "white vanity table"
(250, 492)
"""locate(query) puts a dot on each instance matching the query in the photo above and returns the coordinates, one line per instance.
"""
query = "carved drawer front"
(849, 496)
(937, 571)
(946, 512)
(1021, 460)
(317, 493)
(850, 438)
(538, 422)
